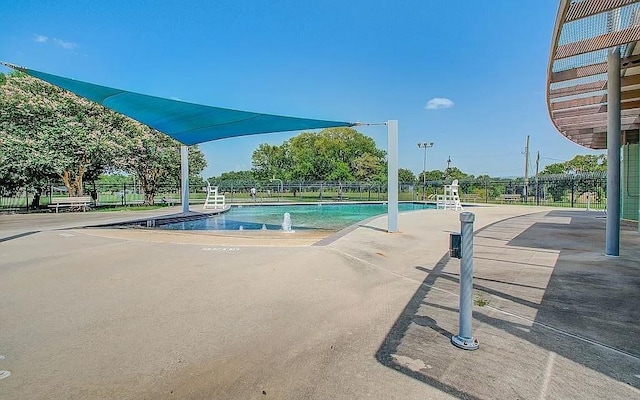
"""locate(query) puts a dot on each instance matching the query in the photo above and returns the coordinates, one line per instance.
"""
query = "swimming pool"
(312, 216)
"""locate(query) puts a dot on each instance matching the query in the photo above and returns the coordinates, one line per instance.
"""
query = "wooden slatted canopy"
(584, 32)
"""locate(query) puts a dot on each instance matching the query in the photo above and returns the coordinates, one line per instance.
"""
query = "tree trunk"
(73, 185)
(149, 183)
(35, 203)
(149, 198)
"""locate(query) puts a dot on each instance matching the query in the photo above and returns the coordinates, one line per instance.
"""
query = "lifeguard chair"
(213, 200)
(450, 200)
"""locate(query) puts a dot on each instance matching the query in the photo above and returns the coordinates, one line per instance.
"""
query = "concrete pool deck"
(132, 313)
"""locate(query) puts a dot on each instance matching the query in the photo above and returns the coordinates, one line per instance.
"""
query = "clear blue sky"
(356, 60)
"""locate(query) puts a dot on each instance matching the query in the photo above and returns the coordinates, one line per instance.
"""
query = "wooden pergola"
(593, 86)
(585, 32)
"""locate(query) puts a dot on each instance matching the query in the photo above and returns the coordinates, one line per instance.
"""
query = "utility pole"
(526, 169)
(425, 146)
(537, 170)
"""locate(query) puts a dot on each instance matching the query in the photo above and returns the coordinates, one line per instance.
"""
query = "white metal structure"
(450, 200)
(593, 86)
(214, 200)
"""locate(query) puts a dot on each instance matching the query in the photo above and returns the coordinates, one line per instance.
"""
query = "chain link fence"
(570, 190)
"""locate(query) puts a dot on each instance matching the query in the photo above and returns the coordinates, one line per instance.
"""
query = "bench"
(510, 197)
(471, 198)
(79, 201)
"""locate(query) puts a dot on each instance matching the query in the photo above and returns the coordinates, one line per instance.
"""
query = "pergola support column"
(392, 175)
(613, 154)
(184, 166)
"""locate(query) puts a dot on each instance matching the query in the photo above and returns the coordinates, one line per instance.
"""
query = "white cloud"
(65, 45)
(62, 43)
(438, 102)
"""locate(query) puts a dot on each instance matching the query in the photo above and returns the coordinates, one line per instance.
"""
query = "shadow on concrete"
(373, 228)
(19, 235)
(588, 311)
(387, 352)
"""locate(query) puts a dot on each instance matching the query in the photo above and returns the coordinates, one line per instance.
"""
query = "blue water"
(312, 216)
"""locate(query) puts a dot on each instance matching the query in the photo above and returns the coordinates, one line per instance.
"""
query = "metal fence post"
(464, 339)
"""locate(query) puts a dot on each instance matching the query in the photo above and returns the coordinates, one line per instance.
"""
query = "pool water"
(312, 216)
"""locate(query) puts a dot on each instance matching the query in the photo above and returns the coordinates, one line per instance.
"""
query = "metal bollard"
(464, 339)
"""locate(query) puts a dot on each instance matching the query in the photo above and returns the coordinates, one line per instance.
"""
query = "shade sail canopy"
(585, 31)
(188, 123)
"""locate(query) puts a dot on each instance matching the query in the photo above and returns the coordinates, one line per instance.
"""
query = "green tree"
(406, 176)
(574, 170)
(431, 176)
(578, 164)
(234, 176)
(455, 173)
(48, 133)
(365, 167)
(339, 154)
(587, 163)
(155, 158)
(554, 169)
(269, 161)
(113, 179)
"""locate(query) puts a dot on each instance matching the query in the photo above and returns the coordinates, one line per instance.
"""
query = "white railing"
(451, 199)
(213, 200)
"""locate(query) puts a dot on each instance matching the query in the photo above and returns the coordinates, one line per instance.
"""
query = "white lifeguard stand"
(213, 200)
(450, 200)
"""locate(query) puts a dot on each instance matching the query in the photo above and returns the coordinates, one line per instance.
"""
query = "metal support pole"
(464, 339)
(424, 175)
(392, 175)
(613, 154)
(184, 158)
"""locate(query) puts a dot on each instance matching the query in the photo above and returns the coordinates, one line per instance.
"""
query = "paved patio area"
(138, 314)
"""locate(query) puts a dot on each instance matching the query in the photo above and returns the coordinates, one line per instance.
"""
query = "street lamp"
(425, 146)
(280, 187)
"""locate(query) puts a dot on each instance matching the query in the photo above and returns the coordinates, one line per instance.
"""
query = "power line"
(505, 170)
(553, 159)
(486, 156)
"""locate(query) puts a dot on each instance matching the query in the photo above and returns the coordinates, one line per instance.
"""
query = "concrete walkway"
(137, 314)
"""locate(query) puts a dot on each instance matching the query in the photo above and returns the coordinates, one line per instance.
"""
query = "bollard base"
(465, 343)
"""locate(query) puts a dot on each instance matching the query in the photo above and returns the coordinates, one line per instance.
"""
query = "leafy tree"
(587, 163)
(48, 133)
(578, 165)
(269, 161)
(365, 167)
(113, 179)
(155, 159)
(454, 173)
(434, 175)
(341, 154)
(406, 176)
(554, 169)
(234, 176)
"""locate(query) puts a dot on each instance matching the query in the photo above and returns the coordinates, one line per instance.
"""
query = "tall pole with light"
(280, 187)
(425, 146)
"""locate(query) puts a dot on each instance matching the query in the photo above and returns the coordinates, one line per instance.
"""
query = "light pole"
(280, 187)
(425, 146)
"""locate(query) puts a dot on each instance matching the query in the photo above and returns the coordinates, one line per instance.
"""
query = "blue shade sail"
(188, 123)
